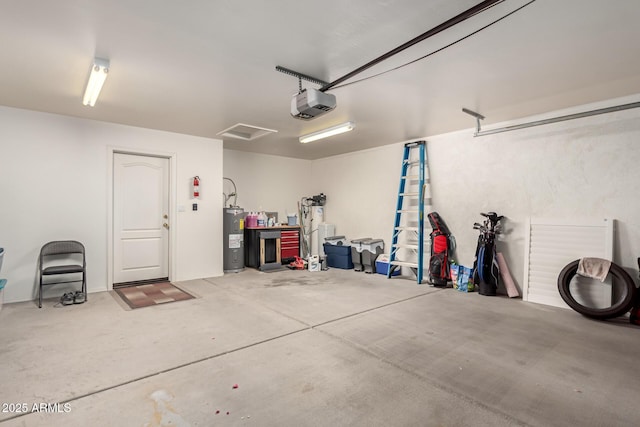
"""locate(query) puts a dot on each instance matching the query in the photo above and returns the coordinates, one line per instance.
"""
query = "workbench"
(266, 248)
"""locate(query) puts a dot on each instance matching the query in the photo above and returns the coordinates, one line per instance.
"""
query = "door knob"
(165, 216)
(165, 225)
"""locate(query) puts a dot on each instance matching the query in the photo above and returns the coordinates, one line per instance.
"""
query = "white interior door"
(140, 218)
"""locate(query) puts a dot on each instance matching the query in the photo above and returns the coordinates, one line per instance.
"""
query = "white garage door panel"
(551, 244)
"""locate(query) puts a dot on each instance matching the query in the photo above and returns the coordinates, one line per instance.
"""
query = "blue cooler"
(382, 265)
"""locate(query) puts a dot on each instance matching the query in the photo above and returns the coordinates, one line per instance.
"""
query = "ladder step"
(407, 228)
(404, 246)
(408, 211)
(409, 194)
(404, 264)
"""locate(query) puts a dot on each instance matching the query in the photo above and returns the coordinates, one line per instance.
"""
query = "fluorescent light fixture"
(99, 71)
(325, 133)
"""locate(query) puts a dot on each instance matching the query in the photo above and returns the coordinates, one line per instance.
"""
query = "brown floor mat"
(152, 294)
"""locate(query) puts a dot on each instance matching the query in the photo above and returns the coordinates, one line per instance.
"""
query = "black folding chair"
(63, 257)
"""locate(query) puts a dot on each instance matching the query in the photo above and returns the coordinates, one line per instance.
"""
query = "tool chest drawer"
(290, 237)
(290, 243)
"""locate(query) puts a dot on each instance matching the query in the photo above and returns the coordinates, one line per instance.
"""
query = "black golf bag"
(634, 317)
(486, 273)
(439, 270)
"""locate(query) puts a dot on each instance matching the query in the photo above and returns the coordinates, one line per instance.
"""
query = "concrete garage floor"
(334, 348)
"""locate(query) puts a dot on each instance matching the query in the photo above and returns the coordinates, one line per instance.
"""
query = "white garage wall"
(54, 186)
(270, 183)
(361, 190)
(53, 171)
(581, 168)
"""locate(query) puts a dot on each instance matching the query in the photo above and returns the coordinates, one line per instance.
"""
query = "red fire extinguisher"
(196, 187)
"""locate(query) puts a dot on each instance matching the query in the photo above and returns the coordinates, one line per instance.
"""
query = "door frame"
(111, 152)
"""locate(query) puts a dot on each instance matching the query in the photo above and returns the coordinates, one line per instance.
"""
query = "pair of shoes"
(67, 299)
(79, 297)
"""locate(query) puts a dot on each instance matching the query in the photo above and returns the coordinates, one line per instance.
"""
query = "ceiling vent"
(245, 132)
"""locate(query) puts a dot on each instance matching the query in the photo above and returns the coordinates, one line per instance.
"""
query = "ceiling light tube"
(99, 71)
(325, 133)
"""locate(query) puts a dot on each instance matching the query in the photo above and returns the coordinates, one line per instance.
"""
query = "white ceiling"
(200, 66)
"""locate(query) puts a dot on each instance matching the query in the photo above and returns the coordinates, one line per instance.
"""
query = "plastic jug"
(262, 219)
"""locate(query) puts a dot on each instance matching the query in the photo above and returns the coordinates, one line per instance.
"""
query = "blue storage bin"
(338, 256)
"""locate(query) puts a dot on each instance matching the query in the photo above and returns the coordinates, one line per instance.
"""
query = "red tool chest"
(290, 243)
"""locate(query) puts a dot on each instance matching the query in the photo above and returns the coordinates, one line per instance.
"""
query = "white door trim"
(173, 230)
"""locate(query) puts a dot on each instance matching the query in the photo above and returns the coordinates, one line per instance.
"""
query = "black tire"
(618, 309)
